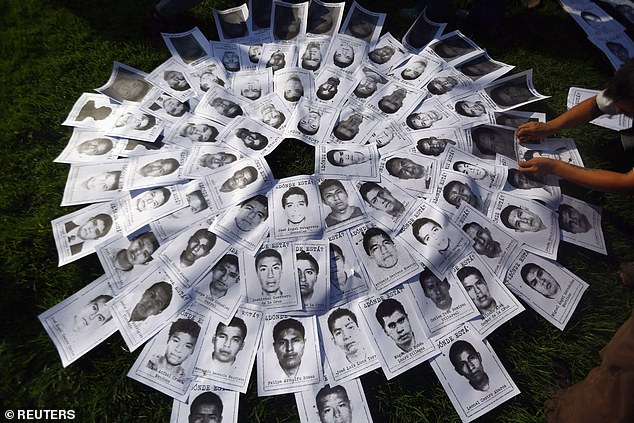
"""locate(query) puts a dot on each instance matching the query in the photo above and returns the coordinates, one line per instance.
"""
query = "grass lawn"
(53, 50)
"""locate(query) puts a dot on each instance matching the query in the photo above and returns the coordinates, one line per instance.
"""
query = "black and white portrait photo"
(295, 199)
(546, 286)
(442, 302)
(335, 402)
(166, 363)
(347, 347)
(363, 24)
(126, 84)
(471, 373)
(228, 350)
(491, 297)
(395, 326)
(385, 257)
(529, 222)
(81, 321)
(290, 348)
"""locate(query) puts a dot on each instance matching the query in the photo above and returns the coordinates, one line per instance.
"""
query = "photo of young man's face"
(154, 300)
(224, 275)
(382, 250)
(468, 363)
(250, 215)
(295, 206)
(307, 273)
(269, 271)
(333, 405)
(180, 346)
(93, 315)
(436, 290)
(227, 342)
(397, 327)
(477, 288)
(288, 344)
(346, 334)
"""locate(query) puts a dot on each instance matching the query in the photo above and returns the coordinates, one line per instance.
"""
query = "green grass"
(52, 51)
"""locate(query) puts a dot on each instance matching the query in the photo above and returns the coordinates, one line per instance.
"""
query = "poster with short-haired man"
(76, 234)
(433, 237)
(471, 373)
(250, 137)
(410, 171)
(492, 243)
(89, 146)
(354, 124)
(483, 173)
(385, 202)
(387, 53)
(580, 224)
(310, 121)
(442, 302)
(546, 286)
(271, 110)
(126, 258)
(346, 52)
(343, 402)
(333, 86)
(395, 325)
(546, 188)
(348, 280)
(297, 217)
(222, 289)
(531, 223)
(172, 78)
(245, 224)
(313, 274)
(347, 161)
(80, 322)
(289, 358)
(207, 402)
(192, 129)
(272, 277)
(153, 170)
(199, 207)
(137, 123)
(228, 351)
(491, 297)
(395, 100)
(166, 363)
(140, 207)
(384, 256)
(144, 307)
(189, 256)
(347, 347)
(513, 91)
(238, 181)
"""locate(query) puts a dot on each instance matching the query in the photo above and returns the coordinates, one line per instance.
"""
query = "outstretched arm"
(602, 180)
(582, 113)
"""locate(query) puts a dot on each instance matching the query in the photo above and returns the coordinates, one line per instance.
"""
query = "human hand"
(533, 131)
(539, 166)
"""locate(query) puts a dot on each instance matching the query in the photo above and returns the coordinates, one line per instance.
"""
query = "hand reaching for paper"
(533, 131)
(539, 166)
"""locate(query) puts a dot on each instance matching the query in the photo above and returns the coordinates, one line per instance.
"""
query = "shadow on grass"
(132, 20)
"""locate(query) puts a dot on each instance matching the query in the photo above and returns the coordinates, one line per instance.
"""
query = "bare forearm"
(582, 113)
(602, 180)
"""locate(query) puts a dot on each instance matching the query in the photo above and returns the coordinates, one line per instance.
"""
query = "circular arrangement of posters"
(412, 241)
